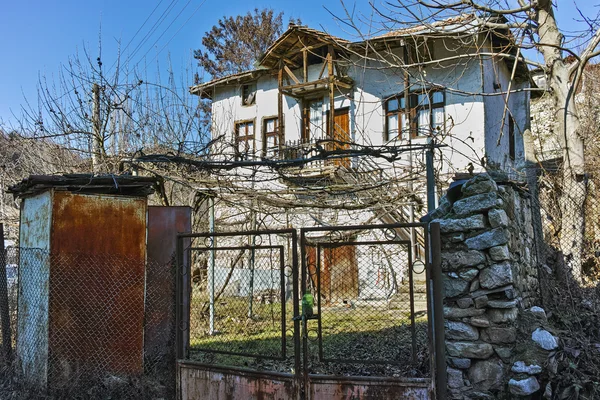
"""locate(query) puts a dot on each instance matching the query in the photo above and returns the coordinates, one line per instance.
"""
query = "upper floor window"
(270, 136)
(422, 116)
(248, 94)
(244, 139)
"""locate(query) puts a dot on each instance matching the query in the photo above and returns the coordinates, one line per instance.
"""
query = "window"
(511, 137)
(244, 139)
(423, 116)
(248, 94)
(270, 136)
(313, 121)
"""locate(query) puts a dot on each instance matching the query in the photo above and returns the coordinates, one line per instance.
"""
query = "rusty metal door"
(368, 334)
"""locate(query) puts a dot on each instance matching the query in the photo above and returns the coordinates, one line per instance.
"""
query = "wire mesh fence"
(570, 225)
(368, 315)
(87, 325)
(371, 303)
(240, 303)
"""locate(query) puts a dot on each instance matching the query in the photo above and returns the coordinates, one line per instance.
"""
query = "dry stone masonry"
(490, 277)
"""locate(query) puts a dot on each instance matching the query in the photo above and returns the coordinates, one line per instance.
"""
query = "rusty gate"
(319, 313)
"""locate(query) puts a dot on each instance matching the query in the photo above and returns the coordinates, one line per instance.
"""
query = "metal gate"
(335, 312)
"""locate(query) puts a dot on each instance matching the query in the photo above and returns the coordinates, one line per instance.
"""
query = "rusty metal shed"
(82, 275)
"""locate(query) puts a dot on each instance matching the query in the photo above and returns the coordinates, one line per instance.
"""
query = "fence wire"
(569, 225)
(368, 316)
(87, 326)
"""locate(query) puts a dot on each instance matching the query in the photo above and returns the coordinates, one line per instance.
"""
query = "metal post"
(252, 241)
(211, 265)
(4, 309)
(441, 380)
(431, 203)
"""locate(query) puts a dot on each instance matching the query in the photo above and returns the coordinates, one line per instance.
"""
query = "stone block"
(468, 274)
(453, 286)
(465, 302)
(496, 275)
(460, 363)
(460, 331)
(470, 350)
(461, 259)
(498, 335)
(538, 312)
(476, 204)
(458, 313)
(481, 301)
(498, 315)
(485, 240)
(486, 375)
(479, 184)
(498, 218)
(469, 224)
(544, 339)
(499, 253)
(505, 353)
(482, 292)
(502, 303)
(481, 322)
(455, 378)
(524, 387)
(521, 368)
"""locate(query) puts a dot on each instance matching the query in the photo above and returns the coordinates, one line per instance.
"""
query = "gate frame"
(434, 285)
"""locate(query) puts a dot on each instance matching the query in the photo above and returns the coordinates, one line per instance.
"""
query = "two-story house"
(451, 83)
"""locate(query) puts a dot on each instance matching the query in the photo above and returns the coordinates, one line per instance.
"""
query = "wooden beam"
(305, 64)
(323, 67)
(308, 84)
(280, 121)
(291, 74)
(291, 62)
(330, 78)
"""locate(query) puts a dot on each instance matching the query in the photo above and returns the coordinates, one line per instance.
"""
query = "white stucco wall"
(472, 121)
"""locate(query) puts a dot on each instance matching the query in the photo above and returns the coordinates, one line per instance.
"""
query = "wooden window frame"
(413, 111)
(245, 138)
(267, 134)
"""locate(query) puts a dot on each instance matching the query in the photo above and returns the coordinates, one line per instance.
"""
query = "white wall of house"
(473, 121)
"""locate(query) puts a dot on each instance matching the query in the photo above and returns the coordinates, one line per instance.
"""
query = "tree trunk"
(574, 190)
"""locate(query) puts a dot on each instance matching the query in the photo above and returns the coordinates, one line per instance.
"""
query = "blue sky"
(37, 36)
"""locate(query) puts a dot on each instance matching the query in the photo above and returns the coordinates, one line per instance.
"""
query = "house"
(445, 82)
(451, 85)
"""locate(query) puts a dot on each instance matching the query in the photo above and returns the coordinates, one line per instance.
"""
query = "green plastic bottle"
(308, 302)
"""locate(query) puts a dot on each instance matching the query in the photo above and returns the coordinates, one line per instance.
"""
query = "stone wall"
(490, 277)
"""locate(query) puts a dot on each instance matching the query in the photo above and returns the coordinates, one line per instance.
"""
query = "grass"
(358, 335)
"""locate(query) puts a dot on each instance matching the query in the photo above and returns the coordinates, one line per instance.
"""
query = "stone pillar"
(490, 274)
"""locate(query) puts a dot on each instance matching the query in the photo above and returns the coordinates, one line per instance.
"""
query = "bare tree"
(106, 114)
(531, 28)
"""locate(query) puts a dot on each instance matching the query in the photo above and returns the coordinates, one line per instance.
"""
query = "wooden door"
(341, 134)
(339, 274)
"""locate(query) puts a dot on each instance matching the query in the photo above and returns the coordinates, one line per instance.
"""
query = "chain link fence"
(86, 326)
(368, 314)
